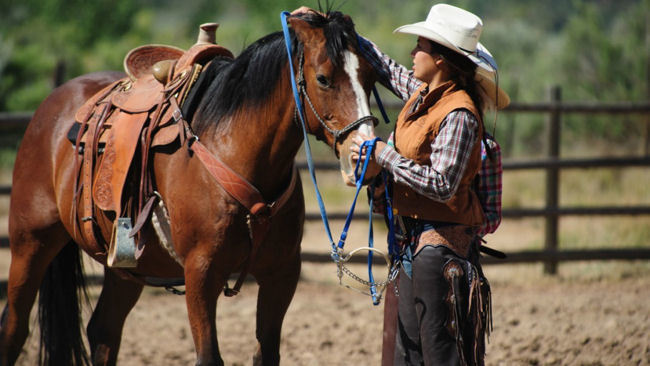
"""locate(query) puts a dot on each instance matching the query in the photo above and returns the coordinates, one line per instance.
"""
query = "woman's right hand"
(302, 10)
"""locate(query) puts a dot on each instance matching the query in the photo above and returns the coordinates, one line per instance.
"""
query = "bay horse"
(246, 117)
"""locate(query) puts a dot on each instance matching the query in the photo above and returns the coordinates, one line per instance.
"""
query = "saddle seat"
(161, 60)
(141, 60)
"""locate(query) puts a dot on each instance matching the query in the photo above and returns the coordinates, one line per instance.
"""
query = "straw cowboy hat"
(459, 30)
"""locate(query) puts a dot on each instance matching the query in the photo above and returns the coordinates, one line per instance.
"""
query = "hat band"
(464, 50)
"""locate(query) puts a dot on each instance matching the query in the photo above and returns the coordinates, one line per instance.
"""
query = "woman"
(434, 157)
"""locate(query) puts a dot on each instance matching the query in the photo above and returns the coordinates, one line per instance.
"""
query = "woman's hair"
(463, 71)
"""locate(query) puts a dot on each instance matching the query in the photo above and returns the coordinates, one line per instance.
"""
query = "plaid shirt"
(450, 150)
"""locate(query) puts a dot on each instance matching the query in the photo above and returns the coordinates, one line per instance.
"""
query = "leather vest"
(415, 130)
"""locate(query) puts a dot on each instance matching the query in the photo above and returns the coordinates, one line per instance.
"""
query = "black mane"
(250, 77)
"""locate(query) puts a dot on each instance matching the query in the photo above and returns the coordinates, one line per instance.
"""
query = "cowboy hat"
(459, 30)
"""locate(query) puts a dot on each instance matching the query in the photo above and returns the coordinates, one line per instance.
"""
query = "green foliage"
(596, 50)
(36, 35)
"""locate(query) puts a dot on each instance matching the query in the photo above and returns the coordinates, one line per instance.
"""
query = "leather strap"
(257, 228)
(259, 219)
(238, 187)
(88, 219)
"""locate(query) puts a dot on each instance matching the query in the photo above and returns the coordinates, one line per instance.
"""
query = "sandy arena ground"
(591, 314)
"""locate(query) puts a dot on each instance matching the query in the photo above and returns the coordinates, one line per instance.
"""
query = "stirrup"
(121, 253)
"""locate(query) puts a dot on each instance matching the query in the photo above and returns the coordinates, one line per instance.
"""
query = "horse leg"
(203, 284)
(274, 296)
(105, 326)
(31, 253)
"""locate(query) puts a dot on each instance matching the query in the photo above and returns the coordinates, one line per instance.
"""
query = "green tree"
(36, 35)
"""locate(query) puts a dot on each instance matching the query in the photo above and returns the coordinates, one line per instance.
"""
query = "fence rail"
(551, 255)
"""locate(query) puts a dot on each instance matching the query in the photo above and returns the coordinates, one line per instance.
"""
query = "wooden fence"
(552, 164)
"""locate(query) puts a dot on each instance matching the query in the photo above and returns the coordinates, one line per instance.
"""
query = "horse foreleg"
(105, 326)
(274, 296)
(202, 287)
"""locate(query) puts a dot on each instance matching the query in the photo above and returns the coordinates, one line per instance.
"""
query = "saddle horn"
(207, 33)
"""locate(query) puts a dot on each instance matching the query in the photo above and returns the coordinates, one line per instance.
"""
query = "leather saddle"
(133, 115)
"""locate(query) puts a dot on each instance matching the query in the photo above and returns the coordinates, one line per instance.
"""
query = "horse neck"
(261, 143)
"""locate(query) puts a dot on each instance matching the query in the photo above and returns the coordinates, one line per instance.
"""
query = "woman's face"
(424, 63)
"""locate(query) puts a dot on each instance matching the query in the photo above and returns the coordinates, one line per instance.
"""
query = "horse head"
(335, 82)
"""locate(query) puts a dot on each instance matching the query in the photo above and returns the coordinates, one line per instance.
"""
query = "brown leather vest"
(415, 130)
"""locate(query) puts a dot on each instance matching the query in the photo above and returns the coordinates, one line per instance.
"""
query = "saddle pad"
(121, 144)
(73, 133)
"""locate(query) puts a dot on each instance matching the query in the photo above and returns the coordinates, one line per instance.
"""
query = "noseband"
(336, 134)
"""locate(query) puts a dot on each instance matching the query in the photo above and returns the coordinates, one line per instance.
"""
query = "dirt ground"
(590, 314)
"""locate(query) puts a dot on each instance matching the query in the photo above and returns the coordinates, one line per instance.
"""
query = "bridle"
(336, 134)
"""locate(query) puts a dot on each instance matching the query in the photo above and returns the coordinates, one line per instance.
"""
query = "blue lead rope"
(369, 147)
(296, 97)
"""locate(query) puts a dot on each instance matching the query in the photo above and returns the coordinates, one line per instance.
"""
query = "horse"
(247, 117)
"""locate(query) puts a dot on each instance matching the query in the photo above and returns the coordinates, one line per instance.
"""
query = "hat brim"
(487, 76)
(421, 29)
(486, 81)
(486, 66)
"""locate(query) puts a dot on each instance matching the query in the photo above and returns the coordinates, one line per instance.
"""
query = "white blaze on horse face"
(363, 109)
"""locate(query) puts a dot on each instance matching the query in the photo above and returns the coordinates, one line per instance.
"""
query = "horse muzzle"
(348, 165)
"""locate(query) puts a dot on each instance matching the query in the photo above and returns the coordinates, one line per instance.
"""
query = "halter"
(337, 250)
(302, 88)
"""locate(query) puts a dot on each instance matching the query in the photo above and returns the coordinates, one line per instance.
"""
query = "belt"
(458, 238)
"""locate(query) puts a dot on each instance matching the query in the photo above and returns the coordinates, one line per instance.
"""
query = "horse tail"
(59, 312)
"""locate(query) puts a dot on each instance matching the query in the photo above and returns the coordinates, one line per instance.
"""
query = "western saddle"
(131, 116)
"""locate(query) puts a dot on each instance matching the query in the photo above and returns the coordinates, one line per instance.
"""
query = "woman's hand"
(302, 10)
(359, 139)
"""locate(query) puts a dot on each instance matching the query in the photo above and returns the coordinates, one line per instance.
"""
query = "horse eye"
(322, 80)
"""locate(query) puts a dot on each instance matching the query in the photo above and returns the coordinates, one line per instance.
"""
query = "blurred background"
(578, 73)
(595, 50)
(575, 141)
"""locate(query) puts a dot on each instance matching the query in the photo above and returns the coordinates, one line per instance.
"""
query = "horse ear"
(304, 30)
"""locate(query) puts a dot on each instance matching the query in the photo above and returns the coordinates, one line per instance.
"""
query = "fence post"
(552, 180)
